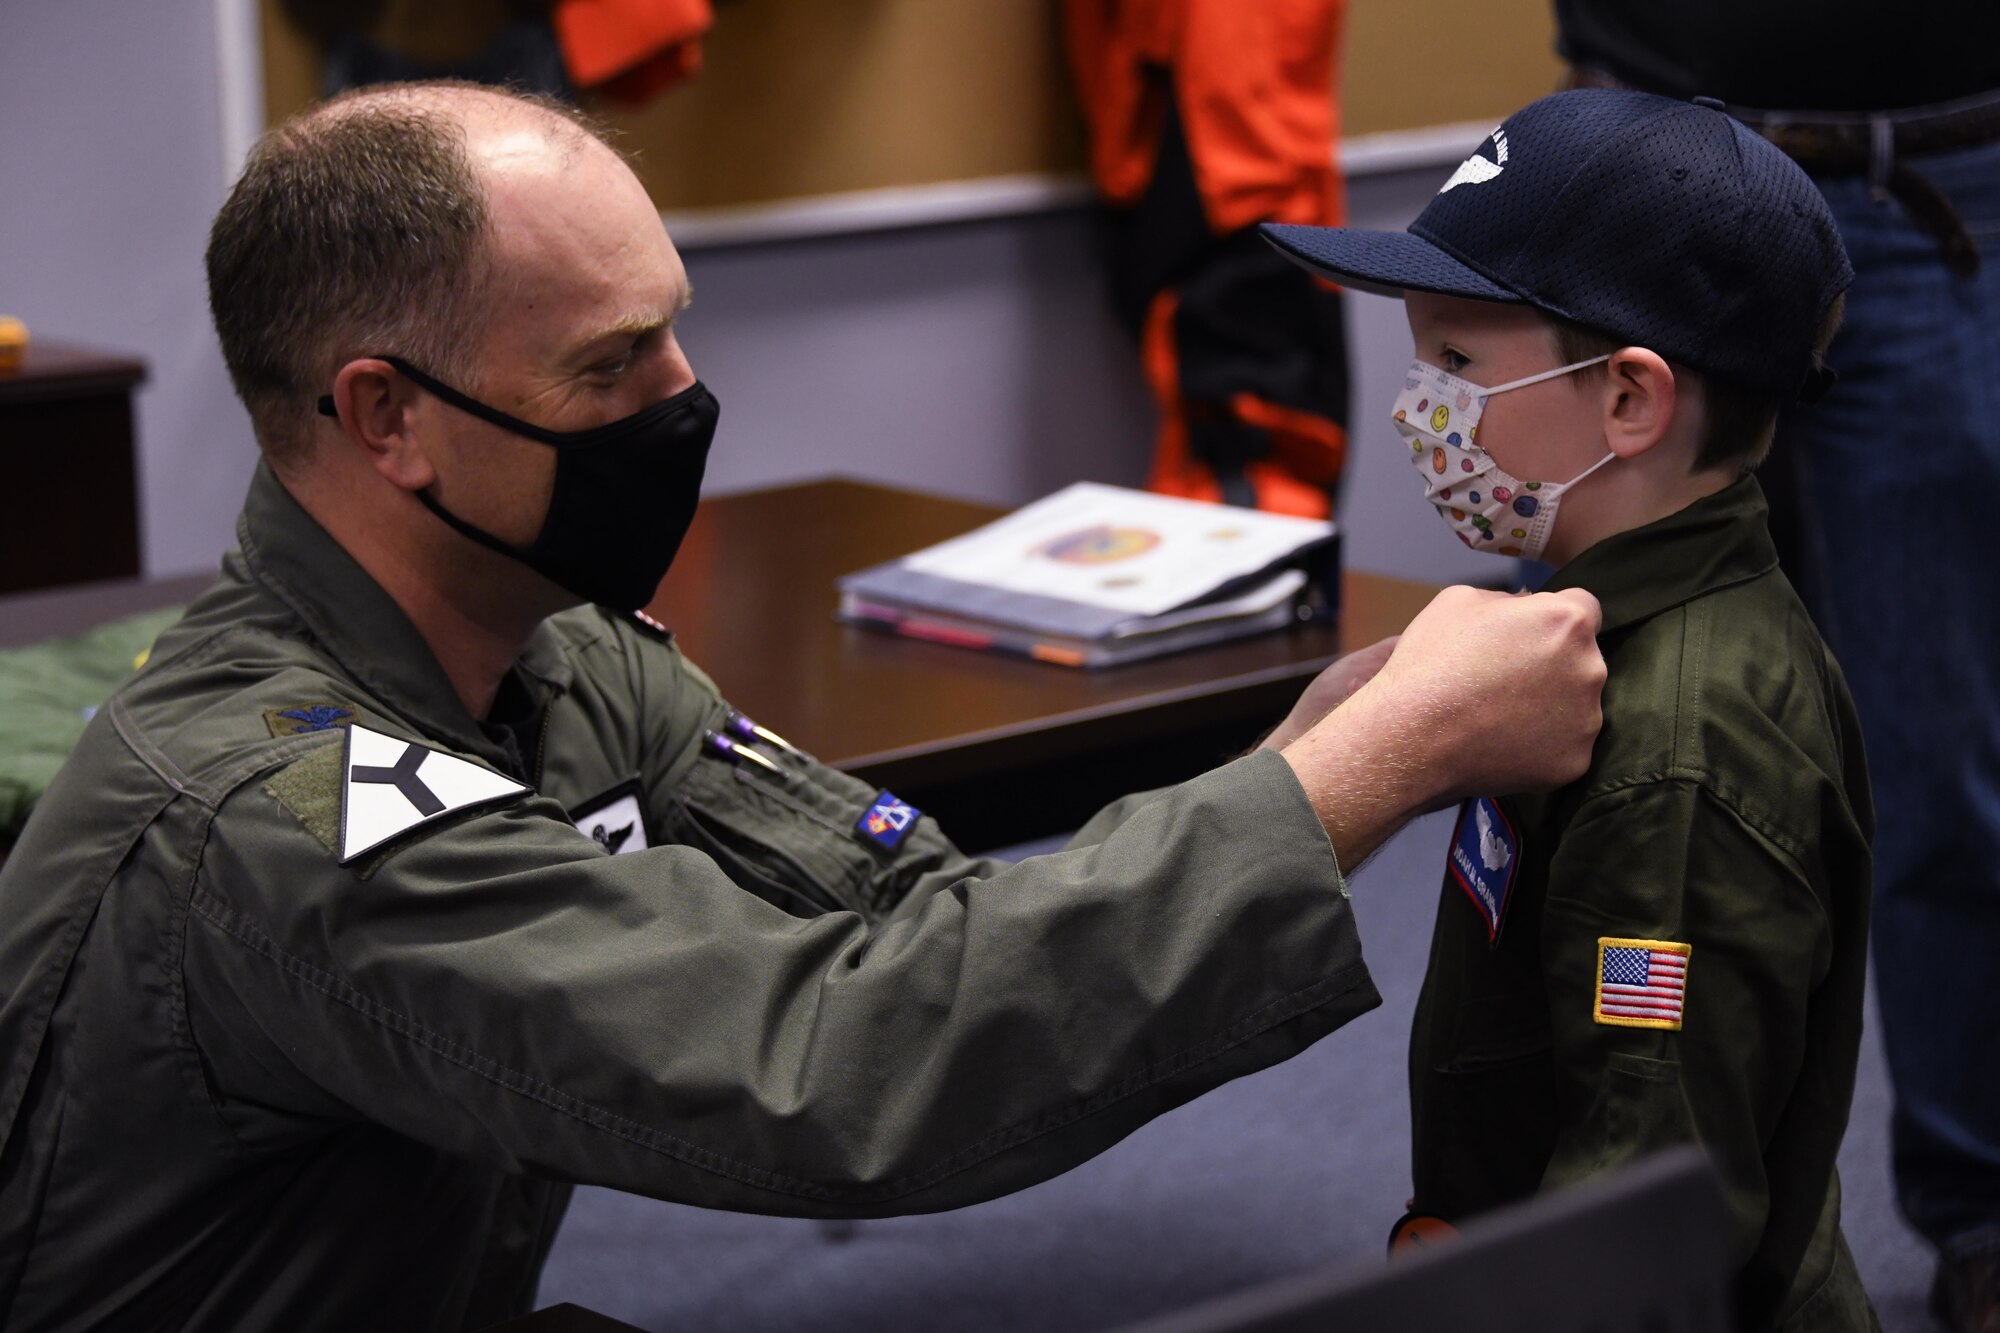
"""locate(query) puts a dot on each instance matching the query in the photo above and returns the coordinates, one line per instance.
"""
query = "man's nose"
(680, 371)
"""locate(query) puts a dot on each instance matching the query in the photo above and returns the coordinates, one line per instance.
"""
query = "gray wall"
(975, 359)
(1391, 528)
(979, 359)
(111, 167)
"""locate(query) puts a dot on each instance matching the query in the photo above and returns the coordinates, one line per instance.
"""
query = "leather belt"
(1878, 145)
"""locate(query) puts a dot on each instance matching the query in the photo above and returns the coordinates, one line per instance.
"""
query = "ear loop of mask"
(1526, 380)
(1561, 486)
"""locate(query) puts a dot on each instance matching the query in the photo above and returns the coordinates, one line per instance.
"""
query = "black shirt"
(1827, 55)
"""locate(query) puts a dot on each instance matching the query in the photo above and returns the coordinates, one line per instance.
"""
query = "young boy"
(1611, 301)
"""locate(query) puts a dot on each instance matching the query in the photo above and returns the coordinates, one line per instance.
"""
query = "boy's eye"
(1454, 360)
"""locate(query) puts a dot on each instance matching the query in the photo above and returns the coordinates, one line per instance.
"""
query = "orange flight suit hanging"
(1207, 117)
(630, 50)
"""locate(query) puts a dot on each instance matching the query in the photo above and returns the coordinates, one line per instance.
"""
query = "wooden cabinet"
(69, 501)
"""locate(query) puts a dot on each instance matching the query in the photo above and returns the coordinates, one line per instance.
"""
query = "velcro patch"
(310, 789)
(390, 786)
(1485, 859)
(887, 822)
(320, 715)
(1641, 983)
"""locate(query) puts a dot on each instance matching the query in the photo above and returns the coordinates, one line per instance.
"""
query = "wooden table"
(1000, 750)
(69, 504)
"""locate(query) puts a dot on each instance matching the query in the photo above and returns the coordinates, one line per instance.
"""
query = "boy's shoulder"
(1717, 677)
(1732, 691)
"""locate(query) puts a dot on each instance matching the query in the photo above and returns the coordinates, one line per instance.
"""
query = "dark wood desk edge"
(64, 370)
(1229, 699)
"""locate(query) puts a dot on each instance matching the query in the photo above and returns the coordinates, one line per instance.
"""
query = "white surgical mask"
(1438, 413)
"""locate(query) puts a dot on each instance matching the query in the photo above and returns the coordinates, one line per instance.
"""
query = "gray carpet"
(1286, 1170)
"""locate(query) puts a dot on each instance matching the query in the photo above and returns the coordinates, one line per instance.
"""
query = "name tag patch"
(1485, 859)
(616, 820)
(887, 822)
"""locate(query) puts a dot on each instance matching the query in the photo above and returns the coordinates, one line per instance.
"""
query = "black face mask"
(625, 492)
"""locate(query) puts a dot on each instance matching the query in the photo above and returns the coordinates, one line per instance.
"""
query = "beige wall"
(809, 97)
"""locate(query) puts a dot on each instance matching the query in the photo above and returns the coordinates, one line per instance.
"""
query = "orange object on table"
(13, 342)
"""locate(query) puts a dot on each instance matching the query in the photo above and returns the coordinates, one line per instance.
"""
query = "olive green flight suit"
(1726, 812)
(245, 1085)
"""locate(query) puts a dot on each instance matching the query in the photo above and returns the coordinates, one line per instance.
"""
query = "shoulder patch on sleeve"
(888, 821)
(1641, 983)
(390, 786)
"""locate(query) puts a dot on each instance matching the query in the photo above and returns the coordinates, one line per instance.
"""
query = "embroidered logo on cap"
(1477, 170)
(389, 786)
(887, 822)
(1641, 983)
(1485, 858)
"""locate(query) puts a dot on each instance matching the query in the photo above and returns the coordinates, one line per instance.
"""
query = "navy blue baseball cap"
(1665, 224)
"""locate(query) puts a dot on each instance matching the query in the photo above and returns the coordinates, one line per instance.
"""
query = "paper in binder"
(1094, 575)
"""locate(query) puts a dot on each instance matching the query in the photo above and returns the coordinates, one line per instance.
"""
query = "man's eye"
(612, 368)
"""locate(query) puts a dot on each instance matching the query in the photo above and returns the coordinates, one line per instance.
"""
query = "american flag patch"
(1641, 983)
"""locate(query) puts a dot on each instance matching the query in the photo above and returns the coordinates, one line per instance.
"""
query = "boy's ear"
(1640, 399)
(374, 409)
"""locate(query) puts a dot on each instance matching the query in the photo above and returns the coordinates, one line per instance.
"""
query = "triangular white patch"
(389, 786)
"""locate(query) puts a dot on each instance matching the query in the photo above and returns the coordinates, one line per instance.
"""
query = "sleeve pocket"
(1638, 1107)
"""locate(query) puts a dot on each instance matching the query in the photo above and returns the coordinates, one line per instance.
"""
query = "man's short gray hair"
(358, 228)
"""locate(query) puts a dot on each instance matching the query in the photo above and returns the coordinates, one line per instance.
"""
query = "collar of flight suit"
(360, 625)
(1719, 540)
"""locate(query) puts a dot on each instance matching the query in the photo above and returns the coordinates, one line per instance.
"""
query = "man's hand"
(1485, 694)
(1329, 690)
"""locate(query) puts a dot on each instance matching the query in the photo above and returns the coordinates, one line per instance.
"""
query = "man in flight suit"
(316, 990)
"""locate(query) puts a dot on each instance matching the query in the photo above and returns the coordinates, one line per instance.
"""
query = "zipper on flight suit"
(542, 738)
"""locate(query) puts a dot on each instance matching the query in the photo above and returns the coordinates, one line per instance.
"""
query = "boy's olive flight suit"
(1722, 832)
(253, 1077)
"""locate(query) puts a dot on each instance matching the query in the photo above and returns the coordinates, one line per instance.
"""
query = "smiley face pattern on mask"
(1490, 510)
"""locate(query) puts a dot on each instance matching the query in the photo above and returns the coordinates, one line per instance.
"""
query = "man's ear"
(375, 404)
(1640, 398)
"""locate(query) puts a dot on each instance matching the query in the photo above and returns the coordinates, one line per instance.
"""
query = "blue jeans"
(1899, 514)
